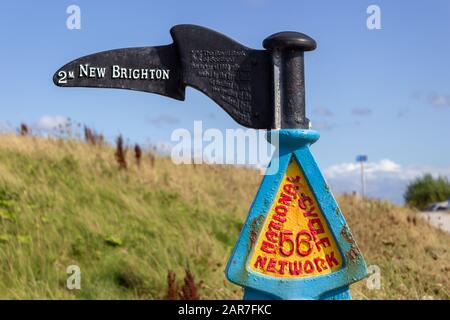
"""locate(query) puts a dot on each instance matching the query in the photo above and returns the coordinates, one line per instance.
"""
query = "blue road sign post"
(295, 243)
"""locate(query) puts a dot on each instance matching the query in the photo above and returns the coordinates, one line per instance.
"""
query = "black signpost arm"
(239, 79)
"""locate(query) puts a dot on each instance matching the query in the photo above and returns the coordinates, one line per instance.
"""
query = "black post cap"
(290, 40)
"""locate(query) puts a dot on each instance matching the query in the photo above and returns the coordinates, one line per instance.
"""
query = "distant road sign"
(361, 158)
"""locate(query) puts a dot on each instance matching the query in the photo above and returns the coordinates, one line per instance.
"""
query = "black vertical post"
(287, 50)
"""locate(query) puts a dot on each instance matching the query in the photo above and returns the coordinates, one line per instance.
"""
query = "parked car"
(439, 206)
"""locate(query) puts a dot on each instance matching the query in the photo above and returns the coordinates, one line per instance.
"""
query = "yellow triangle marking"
(295, 241)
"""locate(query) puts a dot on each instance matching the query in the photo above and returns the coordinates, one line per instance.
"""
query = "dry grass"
(138, 154)
(189, 290)
(92, 137)
(65, 202)
(121, 153)
(413, 256)
(24, 130)
(172, 287)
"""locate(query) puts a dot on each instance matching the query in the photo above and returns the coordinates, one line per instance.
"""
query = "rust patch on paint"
(255, 226)
(346, 234)
(254, 230)
(353, 253)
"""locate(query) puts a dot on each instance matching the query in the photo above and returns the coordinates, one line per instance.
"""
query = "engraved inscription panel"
(227, 76)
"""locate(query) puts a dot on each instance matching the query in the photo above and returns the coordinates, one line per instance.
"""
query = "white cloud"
(439, 100)
(385, 179)
(47, 123)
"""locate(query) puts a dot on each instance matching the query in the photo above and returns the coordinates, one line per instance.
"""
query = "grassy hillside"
(65, 203)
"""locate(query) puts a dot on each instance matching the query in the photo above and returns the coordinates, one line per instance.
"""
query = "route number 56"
(302, 243)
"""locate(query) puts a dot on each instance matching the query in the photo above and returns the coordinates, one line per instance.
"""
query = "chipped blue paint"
(295, 143)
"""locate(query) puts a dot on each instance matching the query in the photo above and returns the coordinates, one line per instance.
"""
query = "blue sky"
(384, 93)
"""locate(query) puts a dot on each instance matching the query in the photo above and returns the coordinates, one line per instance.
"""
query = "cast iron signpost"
(295, 243)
